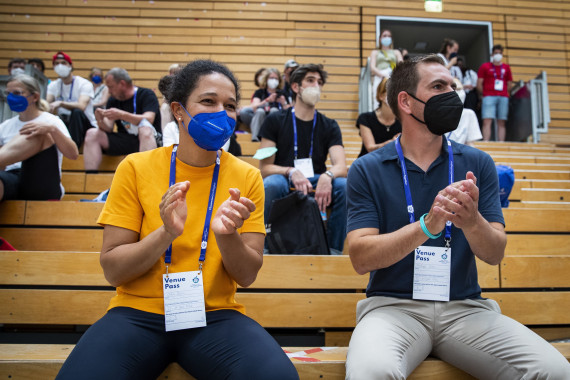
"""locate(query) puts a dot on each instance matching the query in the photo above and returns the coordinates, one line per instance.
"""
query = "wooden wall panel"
(145, 37)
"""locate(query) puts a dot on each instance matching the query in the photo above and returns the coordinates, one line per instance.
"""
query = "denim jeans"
(277, 186)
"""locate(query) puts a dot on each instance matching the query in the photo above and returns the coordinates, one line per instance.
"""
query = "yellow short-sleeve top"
(133, 203)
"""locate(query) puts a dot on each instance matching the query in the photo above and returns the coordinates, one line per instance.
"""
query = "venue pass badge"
(184, 306)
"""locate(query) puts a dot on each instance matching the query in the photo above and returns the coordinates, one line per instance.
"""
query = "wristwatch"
(330, 174)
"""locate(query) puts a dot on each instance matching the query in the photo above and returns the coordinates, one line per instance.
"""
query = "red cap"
(62, 55)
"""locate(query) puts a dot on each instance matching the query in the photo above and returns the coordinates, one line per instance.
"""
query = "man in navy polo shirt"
(417, 229)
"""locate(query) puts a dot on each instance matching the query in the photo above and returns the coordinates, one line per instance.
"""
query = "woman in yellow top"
(175, 269)
(383, 61)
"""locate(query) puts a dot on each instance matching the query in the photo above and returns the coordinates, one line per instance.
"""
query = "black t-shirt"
(380, 131)
(262, 94)
(146, 101)
(278, 127)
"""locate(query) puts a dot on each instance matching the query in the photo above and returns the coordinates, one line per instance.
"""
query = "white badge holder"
(432, 273)
(184, 305)
(305, 166)
(498, 85)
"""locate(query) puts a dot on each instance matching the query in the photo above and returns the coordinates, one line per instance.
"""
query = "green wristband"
(425, 230)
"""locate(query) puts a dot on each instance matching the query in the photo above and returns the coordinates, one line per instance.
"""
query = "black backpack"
(295, 226)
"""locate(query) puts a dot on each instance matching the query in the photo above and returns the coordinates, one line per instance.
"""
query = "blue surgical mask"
(96, 79)
(17, 103)
(210, 131)
(386, 41)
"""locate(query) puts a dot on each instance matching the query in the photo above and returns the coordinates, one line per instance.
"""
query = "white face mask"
(497, 57)
(386, 41)
(62, 70)
(272, 83)
(311, 95)
(17, 71)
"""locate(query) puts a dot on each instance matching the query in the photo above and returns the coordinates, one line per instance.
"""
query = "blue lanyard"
(295, 132)
(70, 90)
(211, 198)
(135, 106)
(495, 71)
(407, 185)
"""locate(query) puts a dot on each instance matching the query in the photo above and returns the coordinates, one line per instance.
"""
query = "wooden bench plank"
(12, 212)
(279, 310)
(55, 239)
(536, 220)
(68, 213)
(108, 163)
(537, 244)
(535, 271)
(550, 195)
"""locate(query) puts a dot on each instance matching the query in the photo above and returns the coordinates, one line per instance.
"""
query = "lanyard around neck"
(211, 198)
(70, 89)
(500, 69)
(407, 184)
(135, 103)
(296, 148)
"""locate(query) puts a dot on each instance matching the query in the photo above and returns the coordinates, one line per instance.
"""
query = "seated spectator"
(71, 98)
(268, 99)
(38, 64)
(16, 66)
(289, 67)
(32, 145)
(101, 92)
(165, 112)
(134, 111)
(468, 129)
(379, 127)
(259, 74)
(303, 138)
(420, 211)
(147, 326)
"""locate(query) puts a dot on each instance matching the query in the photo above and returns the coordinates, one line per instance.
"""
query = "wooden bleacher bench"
(74, 292)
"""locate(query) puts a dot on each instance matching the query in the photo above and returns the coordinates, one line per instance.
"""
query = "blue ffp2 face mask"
(17, 103)
(210, 131)
(96, 79)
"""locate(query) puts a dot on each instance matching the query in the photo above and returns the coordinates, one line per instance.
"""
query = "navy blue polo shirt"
(376, 199)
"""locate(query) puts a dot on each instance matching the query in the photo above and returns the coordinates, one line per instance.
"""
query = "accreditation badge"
(432, 273)
(184, 306)
(305, 166)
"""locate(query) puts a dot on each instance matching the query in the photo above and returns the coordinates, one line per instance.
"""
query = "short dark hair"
(405, 77)
(164, 84)
(497, 47)
(39, 61)
(301, 72)
(15, 60)
(186, 80)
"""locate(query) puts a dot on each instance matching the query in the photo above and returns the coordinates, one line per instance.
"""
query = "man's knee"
(372, 369)
(339, 188)
(276, 183)
(146, 138)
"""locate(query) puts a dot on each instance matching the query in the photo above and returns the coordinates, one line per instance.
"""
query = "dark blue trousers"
(132, 344)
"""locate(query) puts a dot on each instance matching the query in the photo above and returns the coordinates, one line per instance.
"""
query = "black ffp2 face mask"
(441, 112)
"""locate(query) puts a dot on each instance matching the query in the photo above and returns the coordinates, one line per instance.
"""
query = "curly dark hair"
(164, 84)
(186, 80)
(300, 72)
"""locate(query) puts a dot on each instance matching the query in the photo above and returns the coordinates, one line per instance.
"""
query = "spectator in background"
(383, 60)
(468, 79)
(38, 64)
(267, 99)
(16, 66)
(71, 98)
(468, 129)
(32, 145)
(493, 84)
(135, 112)
(101, 92)
(303, 138)
(379, 127)
(165, 112)
(248, 114)
(289, 67)
(448, 52)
